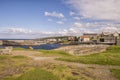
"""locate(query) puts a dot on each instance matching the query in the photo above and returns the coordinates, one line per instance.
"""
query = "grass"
(13, 63)
(35, 74)
(116, 73)
(19, 57)
(109, 57)
(57, 71)
(53, 53)
(2, 57)
(50, 72)
(19, 60)
(18, 48)
(65, 73)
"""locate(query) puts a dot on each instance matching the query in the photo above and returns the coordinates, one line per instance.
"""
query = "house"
(103, 38)
(107, 37)
(84, 39)
(93, 37)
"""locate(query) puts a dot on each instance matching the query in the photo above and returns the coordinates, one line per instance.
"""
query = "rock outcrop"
(83, 49)
(6, 50)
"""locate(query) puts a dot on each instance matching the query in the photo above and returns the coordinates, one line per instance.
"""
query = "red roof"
(84, 37)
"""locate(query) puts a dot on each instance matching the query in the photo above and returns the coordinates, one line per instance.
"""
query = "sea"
(42, 46)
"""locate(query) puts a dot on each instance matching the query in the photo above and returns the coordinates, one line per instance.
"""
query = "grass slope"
(35, 74)
(14, 64)
(109, 57)
(116, 73)
(53, 53)
(66, 73)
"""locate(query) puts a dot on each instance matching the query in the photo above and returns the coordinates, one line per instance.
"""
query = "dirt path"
(98, 72)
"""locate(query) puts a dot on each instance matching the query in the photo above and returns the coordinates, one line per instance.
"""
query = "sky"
(29, 19)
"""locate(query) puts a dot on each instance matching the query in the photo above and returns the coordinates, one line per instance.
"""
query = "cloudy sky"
(42, 18)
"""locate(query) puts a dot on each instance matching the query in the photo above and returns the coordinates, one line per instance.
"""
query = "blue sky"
(43, 18)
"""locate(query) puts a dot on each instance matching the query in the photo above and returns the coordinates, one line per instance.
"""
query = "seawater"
(43, 46)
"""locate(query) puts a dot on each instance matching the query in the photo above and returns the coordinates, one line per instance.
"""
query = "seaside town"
(59, 39)
(87, 38)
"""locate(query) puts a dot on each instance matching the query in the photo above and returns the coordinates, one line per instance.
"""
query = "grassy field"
(18, 48)
(53, 53)
(13, 61)
(116, 73)
(66, 73)
(21, 69)
(10, 65)
(50, 72)
(34, 74)
(109, 57)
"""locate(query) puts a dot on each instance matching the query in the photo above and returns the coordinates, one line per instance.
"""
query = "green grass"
(59, 72)
(53, 53)
(19, 60)
(18, 48)
(12, 62)
(116, 73)
(109, 57)
(35, 74)
(19, 57)
(6, 59)
(2, 57)
(65, 73)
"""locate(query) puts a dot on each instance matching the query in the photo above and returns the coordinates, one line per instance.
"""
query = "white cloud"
(79, 28)
(72, 13)
(54, 14)
(97, 9)
(110, 29)
(22, 33)
(18, 31)
(77, 18)
(77, 24)
(74, 31)
(60, 22)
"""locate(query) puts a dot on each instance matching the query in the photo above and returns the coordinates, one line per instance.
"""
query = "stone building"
(103, 38)
(107, 37)
(84, 39)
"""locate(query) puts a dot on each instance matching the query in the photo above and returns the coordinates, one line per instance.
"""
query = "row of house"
(103, 38)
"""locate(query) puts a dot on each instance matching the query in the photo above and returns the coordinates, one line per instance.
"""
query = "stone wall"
(83, 49)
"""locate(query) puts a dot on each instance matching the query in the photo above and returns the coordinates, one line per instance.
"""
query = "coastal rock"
(83, 49)
(6, 50)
